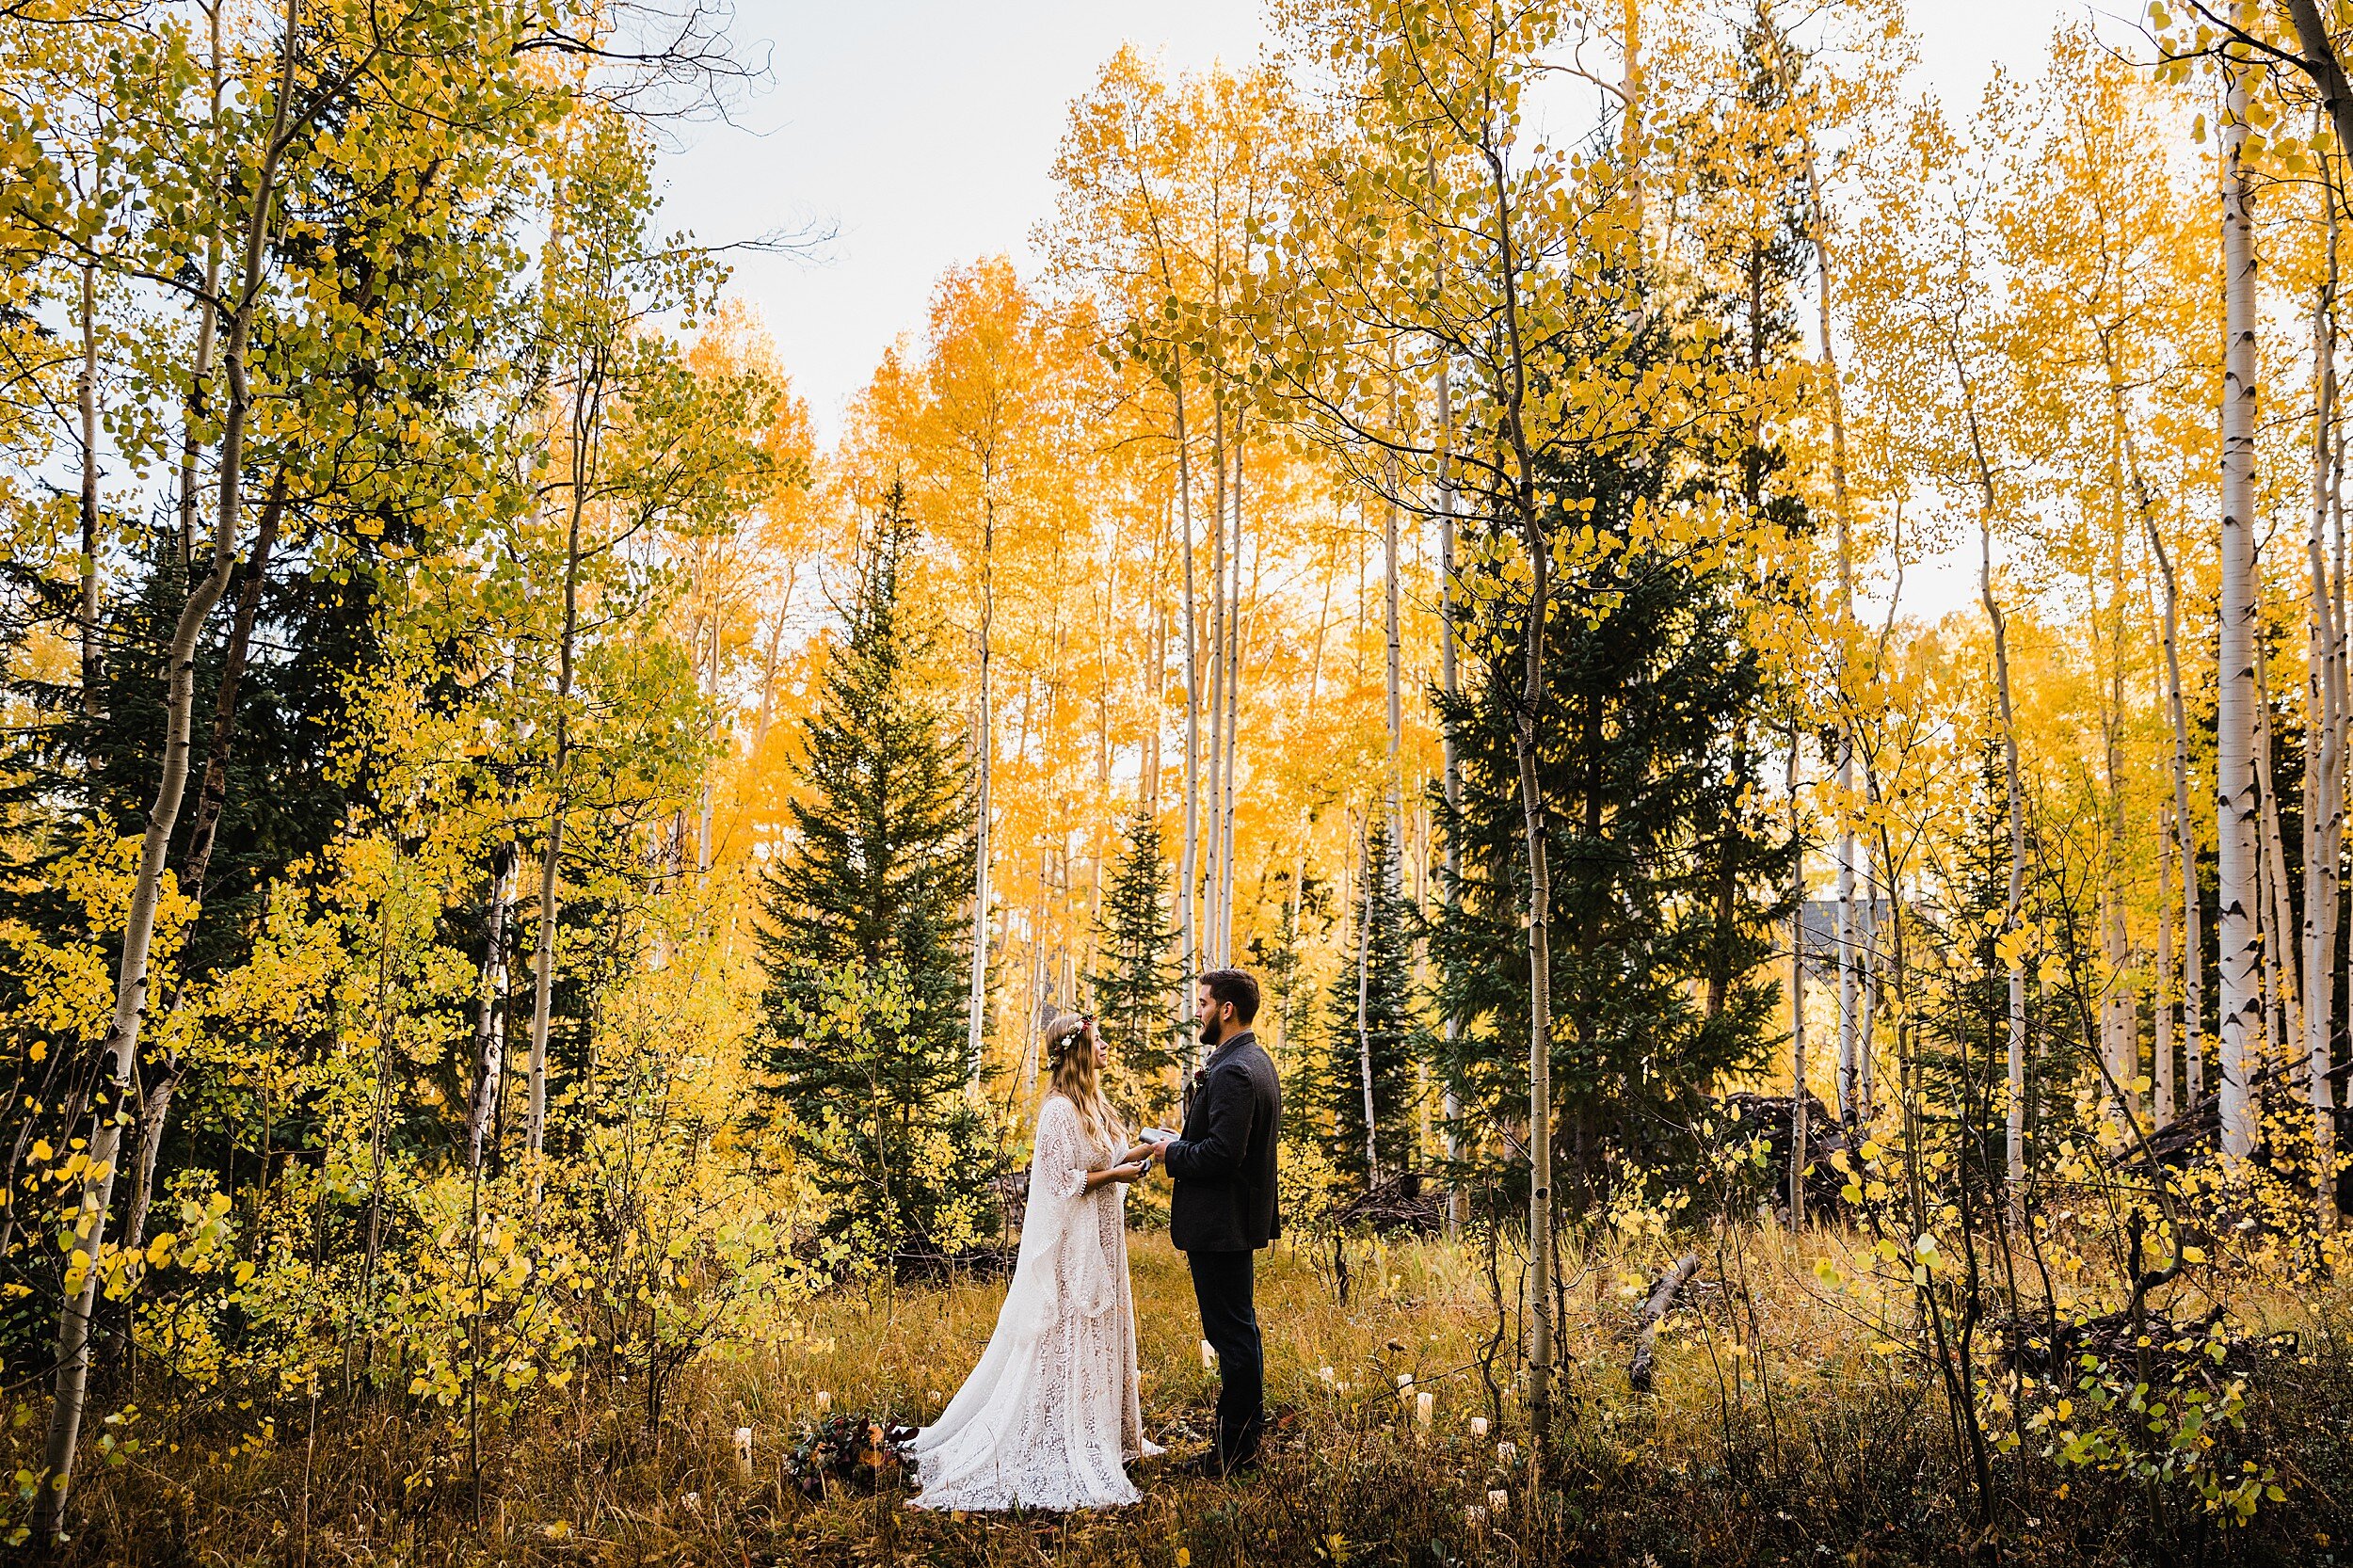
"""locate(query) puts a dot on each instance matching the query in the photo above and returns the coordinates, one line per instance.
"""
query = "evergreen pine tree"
(865, 947)
(1667, 876)
(1137, 975)
(1370, 1026)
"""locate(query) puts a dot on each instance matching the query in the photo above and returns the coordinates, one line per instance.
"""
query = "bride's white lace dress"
(1051, 1415)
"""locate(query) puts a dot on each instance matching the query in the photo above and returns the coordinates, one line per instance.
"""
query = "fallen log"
(1400, 1204)
(1662, 1302)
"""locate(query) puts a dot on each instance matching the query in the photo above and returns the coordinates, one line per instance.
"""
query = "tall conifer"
(1136, 980)
(1371, 1030)
(865, 941)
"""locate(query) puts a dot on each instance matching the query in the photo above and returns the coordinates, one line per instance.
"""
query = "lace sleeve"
(1060, 1169)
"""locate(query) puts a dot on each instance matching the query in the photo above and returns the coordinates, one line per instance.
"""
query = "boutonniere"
(1200, 1077)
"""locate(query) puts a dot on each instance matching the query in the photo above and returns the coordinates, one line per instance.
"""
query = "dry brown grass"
(1818, 1450)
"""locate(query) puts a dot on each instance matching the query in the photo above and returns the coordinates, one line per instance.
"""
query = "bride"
(1050, 1414)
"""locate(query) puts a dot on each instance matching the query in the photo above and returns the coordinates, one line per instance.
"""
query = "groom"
(1223, 1208)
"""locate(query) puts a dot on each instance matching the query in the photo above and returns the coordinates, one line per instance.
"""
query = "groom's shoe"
(1212, 1466)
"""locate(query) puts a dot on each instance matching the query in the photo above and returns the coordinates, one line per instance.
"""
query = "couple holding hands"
(1050, 1415)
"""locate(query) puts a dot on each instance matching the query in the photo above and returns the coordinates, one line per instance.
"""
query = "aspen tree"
(2324, 731)
(2238, 802)
(94, 1196)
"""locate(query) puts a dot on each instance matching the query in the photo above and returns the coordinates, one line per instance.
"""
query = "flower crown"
(1055, 1052)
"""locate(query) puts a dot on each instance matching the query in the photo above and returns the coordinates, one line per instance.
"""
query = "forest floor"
(1839, 1454)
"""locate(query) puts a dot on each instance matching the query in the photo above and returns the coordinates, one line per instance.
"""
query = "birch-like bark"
(768, 665)
(588, 417)
(1236, 623)
(1799, 1132)
(489, 1034)
(1853, 1041)
(2238, 804)
(1869, 1022)
(1189, 870)
(984, 753)
(212, 795)
(1393, 651)
(119, 1050)
(2014, 1055)
(1526, 732)
(2324, 782)
(1451, 767)
(1367, 890)
(2278, 917)
(87, 399)
(2185, 835)
(2119, 1038)
(2164, 1075)
(207, 320)
(1217, 607)
(711, 783)
(1148, 785)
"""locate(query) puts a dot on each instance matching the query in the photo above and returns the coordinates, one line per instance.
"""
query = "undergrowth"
(1777, 1435)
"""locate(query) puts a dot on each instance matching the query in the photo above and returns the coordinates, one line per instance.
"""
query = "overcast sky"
(922, 132)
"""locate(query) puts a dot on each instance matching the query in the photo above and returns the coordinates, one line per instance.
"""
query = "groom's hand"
(1144, 1151)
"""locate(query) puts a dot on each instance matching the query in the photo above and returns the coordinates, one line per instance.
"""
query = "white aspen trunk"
(1188, 871)
(1457, 1201)
(1852, 1041)
(985, 746)
(1392, 659)
(1870, 982)
(2239, 805)
(1238, 636)
(119, 1050)
(490, 1015)
(1215, 934)
(2185, 836)
(2278, 917)
(768, 665)
(87, 399)
(1511, 399)
(711, 783)
(1630, 127)
(207, 320)
(1367, 889)
(2165, 992)
(1148, 786)
(587, 420)
(1799, 1131)
(2323, 786)
(2014, 1056)
(2343, 704)
(543, 988)
(2120, 1033)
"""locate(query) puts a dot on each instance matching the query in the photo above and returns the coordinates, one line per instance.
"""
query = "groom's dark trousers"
(1221, 1211)
(1229, 1321)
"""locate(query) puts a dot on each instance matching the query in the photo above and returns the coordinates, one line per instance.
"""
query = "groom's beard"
(1213, 1030)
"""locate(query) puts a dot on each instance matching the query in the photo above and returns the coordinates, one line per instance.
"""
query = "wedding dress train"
(1051, 1415)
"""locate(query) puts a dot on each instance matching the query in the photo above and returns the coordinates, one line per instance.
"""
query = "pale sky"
(924, 131)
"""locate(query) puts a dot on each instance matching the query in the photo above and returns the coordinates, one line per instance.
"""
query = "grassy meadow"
(1783, 1429)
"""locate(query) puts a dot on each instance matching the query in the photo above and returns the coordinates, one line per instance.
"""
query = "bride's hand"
(1133, 1172)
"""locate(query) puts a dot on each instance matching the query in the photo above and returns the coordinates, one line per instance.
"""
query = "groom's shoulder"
(1256, 1060)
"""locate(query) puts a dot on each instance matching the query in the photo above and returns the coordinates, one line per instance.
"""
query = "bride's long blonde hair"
(1071, 1052)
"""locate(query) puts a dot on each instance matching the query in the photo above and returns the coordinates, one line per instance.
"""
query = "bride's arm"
(1063, 1155)
(1065, 1160)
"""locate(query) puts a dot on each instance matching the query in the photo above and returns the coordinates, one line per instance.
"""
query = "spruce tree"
(1668, 876)
(1137, 975)
(865, 947)
(1370, 1027)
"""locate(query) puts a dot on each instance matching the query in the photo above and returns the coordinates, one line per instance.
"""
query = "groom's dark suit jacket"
(1224, 1165)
